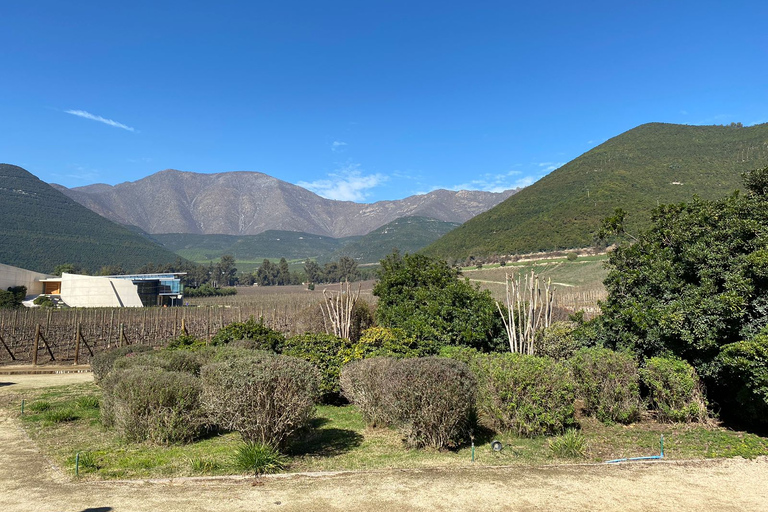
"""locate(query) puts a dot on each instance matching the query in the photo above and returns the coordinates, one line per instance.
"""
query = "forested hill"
(40, 228)
(407, 235)
(651, 164)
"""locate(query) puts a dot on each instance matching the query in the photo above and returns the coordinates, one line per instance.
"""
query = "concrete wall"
(92, 292)
(14, 276)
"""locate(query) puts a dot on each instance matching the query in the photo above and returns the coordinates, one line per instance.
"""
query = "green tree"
(694, 282)
(283, 273)
(67, 268)
(428, 299)
(313, 271)
(12, 298)
(266, 275)
(226, 270)
(112, 270)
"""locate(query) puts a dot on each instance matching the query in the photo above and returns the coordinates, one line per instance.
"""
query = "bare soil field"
(28, 481)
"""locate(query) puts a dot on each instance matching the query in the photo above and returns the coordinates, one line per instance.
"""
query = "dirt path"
(29, 482)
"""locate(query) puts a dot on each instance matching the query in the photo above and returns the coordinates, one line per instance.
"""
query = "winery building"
(80, 291)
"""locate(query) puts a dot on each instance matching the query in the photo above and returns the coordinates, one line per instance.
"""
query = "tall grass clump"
(609, 384)
(259, 459)
(570, 445)
(264, 397)
(675, 392)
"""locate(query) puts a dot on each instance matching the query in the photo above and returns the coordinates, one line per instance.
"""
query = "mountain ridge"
(40, 228)
(247, 203)
(636, 170)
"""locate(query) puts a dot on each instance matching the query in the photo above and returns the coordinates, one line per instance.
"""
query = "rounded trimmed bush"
(609, 383)
(432, 399)
(744, 378)
(150, 404)
(528, 395)
(103, 362)
(389, 342)
(328, 353)
(557, 341)
(674, 390)
(261, 336)
(366, 383)
(265, 397)
(169, 360)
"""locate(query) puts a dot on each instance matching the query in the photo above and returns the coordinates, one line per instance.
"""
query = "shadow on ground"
(325, 441)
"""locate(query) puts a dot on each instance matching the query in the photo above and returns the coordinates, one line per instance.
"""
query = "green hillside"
(407, 234)
(651, 164)
(40, 228)
(270, 244)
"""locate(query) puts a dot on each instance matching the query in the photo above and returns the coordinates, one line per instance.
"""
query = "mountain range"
(249, 203)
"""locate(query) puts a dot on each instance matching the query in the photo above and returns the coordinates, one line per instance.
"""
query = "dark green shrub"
(429, 300)
(362, 319)
(528, 395)
(102, 363)
(386, 342)
(571, 256)
(464, 354)
(744, 375)
(12, 298)
(432, 400)
(328, 353)
(367, 384)
(265, 397)
(557, 341)
(674, 390)
(150, 404)
(259, 459)
(186, 342)
(609, 384)
(43, 301)
(169, 360)
(207, 290)
(263, 337)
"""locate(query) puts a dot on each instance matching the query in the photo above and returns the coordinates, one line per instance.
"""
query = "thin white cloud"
(506, 181)
(93, 117)
(338, 145)
(493, 182)
(548, 167)
(346, 184)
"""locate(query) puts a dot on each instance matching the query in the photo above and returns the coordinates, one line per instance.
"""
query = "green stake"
(22, 406)
(77, 464)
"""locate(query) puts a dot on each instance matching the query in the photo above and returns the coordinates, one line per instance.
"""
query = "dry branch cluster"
(526, 311)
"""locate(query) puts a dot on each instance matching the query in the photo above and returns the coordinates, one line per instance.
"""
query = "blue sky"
(363, 100)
